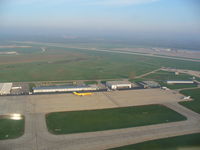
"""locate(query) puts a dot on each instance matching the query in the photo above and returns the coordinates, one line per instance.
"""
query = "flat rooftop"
(150, 83)
(118, 82)
(59, 87)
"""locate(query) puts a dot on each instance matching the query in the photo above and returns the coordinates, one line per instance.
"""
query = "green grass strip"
(105, 119)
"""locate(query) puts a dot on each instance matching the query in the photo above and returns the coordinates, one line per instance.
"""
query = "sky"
(115, 17)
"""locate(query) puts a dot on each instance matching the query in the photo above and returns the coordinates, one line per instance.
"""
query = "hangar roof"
(58, 87)
(117, 82)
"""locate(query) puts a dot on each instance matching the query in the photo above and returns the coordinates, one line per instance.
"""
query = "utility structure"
(5, 88)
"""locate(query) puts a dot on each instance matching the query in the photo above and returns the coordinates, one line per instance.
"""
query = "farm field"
(105, 119)
(195, 104)
(185, 142)
(10, 129)
(58, 63)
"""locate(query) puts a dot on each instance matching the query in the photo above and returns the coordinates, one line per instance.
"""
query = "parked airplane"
(186, 97)
(82, 94)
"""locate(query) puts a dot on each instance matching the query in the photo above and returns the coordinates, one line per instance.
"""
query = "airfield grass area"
(166, 75)
(10, 129)
(56, 64)
(90, 82)
(184, 142)
(105, 119)
(195, 95)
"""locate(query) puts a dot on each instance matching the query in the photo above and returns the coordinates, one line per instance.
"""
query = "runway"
(37, 137)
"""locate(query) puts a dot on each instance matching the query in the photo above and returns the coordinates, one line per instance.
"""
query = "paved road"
(148, 73)
(192, 88)
(37, 137)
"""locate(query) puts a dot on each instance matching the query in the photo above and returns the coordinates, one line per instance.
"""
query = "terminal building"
(54, 89)
(118, 84)
(5, 88)
(180, 82)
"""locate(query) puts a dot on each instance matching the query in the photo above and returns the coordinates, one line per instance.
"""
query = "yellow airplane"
(82, 94)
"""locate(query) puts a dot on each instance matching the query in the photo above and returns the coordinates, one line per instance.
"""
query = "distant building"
(5, 88)
(176, 73)
(165, 88)
(118, 84)
(54, 89)
(180, 82)
(150, 84)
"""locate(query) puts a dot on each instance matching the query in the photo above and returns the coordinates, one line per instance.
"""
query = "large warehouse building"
(150, 84)
(180, 82)
(5, 88)
(118, 84)
(54, 89)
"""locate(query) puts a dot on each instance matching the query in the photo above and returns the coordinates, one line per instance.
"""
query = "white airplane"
(165, 88)
(186, 97)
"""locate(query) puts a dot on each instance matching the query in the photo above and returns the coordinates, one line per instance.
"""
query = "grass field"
(90, 82)
(76, 64)
(105, 119)
(10, 129)
(31, 86)
(185, 142)
(165, 75)
(195, 104)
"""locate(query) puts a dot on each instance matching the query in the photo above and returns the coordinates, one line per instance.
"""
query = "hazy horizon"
(142, 22)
